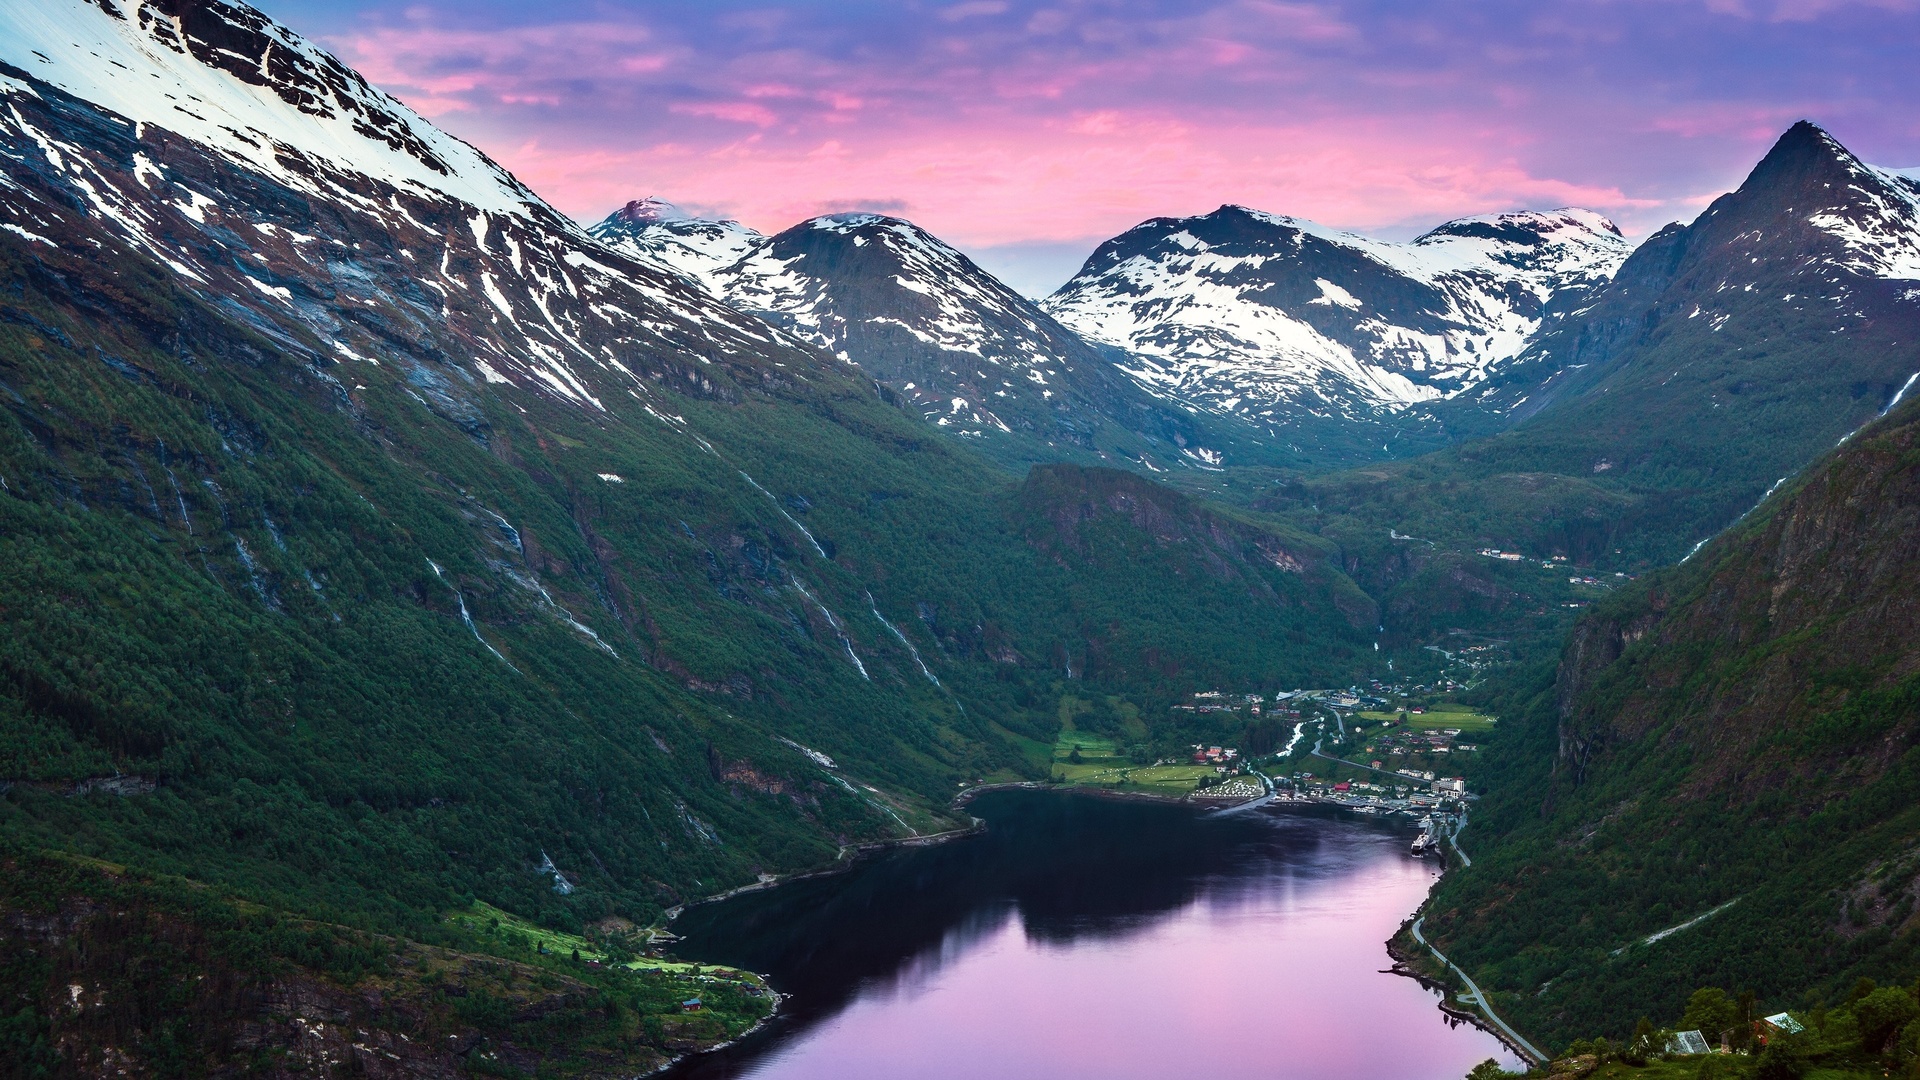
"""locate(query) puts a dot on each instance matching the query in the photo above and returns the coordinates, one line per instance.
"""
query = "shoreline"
(1404, 964)
(848, 857)
(851, 855)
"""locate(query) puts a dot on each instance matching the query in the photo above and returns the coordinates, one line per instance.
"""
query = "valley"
(423, 614)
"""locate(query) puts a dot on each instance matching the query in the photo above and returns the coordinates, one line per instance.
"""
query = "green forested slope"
(219, 582)
(1740, 730)
(330, 652)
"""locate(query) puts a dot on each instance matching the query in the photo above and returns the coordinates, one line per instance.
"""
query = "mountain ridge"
(954, 344)
(1278, 318)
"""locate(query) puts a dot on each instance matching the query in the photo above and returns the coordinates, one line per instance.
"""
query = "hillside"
(1724, 356)
(377, 542)
(1734, 736)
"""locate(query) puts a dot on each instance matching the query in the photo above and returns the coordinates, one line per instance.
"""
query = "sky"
(1024, 133)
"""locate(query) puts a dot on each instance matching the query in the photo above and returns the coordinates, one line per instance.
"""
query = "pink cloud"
(739, 112)
(972, 8)
(1029, 185)
(1001, 123)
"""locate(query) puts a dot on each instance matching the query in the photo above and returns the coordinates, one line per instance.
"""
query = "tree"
(1785, 1057)
(1881, 1014)
(1646, 1042)
(1861, 989)
(1487, 1070)
(1709, 1011)
(1743, 1022)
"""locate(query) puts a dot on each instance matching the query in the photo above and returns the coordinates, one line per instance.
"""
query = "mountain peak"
(228, 77)
(647, 211)
(856, 219)
(1527, 228)
(1871, 216)
(1804, 154)
(655, 229)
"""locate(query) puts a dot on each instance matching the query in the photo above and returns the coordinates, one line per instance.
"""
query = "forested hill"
(374, 534)
(1738, 736)
(375, 543)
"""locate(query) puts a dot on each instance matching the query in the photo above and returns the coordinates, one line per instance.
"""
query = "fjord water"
(1085, 937)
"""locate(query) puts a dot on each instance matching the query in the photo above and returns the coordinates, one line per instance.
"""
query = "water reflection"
(1183, 941)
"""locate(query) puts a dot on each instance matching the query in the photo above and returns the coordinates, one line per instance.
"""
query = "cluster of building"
(1402, 743)
(1208, 701)
(1370, 797)
(1284, 704)
(1221, 757)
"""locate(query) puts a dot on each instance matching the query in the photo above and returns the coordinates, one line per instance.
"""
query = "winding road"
(1479, 1000)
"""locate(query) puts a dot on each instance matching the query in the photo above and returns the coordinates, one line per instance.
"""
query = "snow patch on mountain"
(1882, 230)
(1242, 310)
(969, 353)
(233, 80)
(277, 184)
(656, 230)
(778, 279)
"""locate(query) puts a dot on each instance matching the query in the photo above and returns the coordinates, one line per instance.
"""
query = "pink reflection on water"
(1272, 973)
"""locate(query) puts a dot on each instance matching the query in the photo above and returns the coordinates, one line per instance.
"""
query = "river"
(1087, 937)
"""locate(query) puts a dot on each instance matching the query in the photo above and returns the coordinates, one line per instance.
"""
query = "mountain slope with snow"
(1816, 251)
(262, 172)
(236, 82)
(658, 230)
(963, 350)
(347, 491)
(1725, 355)
(1279, 319)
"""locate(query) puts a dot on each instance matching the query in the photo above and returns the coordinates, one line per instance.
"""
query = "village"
(1381, 749)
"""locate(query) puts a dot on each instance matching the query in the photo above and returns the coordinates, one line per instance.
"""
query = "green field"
(484, 917)
(1091, 747)
(1102, 765)
(1438, 716)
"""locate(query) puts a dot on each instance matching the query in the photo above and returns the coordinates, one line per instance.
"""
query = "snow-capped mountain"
(239, 84)
(1725, 355)
(656, 229)
(968, 353)
(1815, 239)
(1273, 317)
(268, 176)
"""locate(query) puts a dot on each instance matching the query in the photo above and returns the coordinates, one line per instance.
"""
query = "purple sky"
(1026, 132)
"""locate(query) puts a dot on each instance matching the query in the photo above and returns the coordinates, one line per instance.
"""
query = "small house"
(1688, 1042)
(691, 1005)
(1783, 1022)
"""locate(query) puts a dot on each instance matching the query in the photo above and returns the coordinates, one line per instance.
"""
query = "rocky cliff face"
(1787, 623)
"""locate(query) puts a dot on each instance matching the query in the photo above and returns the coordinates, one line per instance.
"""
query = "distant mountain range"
(1294, 341)
(958, 347)
(1242, 337)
